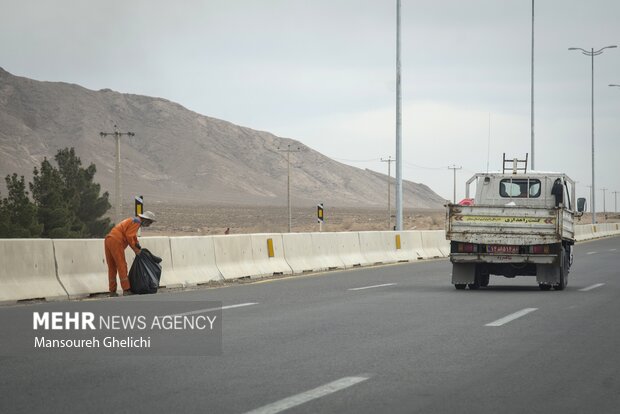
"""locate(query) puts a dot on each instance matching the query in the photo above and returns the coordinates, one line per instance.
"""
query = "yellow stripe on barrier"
(270, 247)
(398, 242)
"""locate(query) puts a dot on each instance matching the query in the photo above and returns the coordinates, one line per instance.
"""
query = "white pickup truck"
(519, 224)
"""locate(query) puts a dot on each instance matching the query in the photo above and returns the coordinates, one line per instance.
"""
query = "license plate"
(498, 248)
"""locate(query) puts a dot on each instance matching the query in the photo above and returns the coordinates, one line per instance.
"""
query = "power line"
(346, 160)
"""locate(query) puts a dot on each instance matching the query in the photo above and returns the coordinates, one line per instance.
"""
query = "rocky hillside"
(176, 154)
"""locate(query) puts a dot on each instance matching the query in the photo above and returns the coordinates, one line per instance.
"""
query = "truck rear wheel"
(484, 280)
(475, 285)
(563, 271)
(544, 286)
(460, 286)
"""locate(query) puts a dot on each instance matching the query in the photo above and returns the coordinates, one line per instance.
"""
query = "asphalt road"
(412, 345)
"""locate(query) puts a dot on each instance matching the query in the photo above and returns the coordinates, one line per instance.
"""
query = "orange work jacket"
(126, 233)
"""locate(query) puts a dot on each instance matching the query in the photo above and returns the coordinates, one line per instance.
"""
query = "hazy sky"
(323, 72)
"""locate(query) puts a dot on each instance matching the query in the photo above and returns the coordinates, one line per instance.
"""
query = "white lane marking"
(511, 317)
(598, 285)
(373, 286)
(240, 305)
(591, 253)
(310, 395)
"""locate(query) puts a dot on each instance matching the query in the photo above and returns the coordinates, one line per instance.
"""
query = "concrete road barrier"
(435, 244)
(411, 246)
(233, 256)
(325, 250)
(82, 268)
(28, 270)
(299, 253)
(159, 246)
(584, 232)
(378, 246)
(348, 248)
(262, 248)
(193, 259)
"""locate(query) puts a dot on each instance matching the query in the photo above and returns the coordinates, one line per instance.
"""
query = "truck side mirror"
(581, 205)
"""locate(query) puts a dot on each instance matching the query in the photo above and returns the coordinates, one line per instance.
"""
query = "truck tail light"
(467, 248)
(539, 249)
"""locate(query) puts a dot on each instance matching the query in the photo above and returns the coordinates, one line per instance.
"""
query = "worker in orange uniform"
(122, 235)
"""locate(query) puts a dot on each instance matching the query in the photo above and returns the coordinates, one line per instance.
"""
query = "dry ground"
(179, 220)
(176, 220)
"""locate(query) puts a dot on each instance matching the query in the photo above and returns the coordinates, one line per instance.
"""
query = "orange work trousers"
(115, 258)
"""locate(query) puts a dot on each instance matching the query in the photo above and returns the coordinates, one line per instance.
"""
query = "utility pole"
(389, 161)
(615, 201)
(117, 172)
(590, 200)
(604, 207)
(454, 167)
(288, 151)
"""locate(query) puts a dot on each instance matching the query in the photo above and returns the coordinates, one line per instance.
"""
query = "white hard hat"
(148, 215)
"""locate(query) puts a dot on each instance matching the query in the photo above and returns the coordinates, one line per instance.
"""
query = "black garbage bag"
(145, 273)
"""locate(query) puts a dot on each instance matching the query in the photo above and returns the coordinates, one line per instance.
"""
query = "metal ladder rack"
(515, 165)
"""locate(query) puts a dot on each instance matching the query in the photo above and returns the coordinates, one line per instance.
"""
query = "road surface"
(392, 339)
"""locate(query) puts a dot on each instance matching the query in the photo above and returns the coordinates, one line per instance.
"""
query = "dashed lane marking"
(310, 395)
(373, 286)
(511, 317)
(240, 305)
(598, 285)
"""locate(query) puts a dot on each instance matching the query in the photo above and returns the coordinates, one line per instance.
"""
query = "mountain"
(176, 155)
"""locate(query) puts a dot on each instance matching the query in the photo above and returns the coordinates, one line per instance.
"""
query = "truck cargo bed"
(508, 225)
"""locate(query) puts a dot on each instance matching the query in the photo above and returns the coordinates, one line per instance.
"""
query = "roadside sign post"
(319, 216)
(139, 209)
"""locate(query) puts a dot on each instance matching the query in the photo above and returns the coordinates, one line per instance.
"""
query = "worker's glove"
(138, 246)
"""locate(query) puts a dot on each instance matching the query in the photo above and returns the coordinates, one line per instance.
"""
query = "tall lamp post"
(532, 94)
(592, 53)
(615, 192)
(399, 144)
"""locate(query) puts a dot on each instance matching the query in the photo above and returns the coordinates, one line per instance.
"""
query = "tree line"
(63, 202)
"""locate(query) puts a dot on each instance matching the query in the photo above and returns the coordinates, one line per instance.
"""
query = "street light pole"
(532, 93)
(399, 156)
(604, 206)
(117, 171)
(593, 53)
(615, 192)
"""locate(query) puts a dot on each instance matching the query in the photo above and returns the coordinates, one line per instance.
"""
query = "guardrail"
(54, 269)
